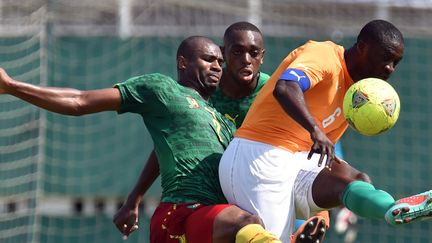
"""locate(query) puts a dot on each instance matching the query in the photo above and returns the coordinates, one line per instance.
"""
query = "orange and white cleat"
(311, 231)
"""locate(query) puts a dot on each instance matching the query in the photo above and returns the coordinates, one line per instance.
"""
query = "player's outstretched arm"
(126, 218)
(291, 98)
(65, 101)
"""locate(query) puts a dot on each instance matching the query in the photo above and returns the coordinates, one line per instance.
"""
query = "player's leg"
(256, 177)
(349, 188)
(226, 223)
(345, 220)
(163, 227)
(376, 203)
(318, 218)
(346, 185)
(197, 223)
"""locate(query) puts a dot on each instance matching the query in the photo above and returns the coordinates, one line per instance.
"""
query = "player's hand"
(323, 146)
(126, 220)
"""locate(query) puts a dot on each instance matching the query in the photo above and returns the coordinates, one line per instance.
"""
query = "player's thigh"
(226, 170)
(161, 227)
(249, 169)
(260, 180)
(229, 221)
(211, 222)
(307, 173)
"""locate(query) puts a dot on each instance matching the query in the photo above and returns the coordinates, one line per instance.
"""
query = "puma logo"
(296, 74)
(233, 119)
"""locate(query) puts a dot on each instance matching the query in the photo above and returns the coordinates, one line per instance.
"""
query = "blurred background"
(62, 178)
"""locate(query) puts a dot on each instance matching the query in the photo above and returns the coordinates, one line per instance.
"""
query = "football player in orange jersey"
(271, 168)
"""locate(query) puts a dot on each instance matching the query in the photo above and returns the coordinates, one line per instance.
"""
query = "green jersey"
(235, 109)
(189, 136)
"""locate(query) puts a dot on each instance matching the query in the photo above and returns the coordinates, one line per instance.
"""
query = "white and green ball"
(371, 106)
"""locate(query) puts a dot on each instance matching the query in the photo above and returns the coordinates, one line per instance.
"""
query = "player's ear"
(262, 58)
(181, 62)
(362, 47)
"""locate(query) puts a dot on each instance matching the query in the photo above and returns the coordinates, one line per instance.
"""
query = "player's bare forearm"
(147, 177)
(291, 98)
(126, 218)
(65, 101)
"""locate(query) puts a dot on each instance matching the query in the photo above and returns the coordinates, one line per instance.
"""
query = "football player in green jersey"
(241, 80)
(189, 137)
(240, 83)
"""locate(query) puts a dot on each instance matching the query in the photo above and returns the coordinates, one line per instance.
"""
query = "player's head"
(243, 50)
(199, 62)
(380, 47)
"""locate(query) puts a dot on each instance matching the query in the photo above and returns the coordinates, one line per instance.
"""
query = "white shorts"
(270, 182)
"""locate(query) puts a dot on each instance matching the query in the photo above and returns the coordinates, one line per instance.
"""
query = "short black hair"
(186, 46)
(242, 26)
(380, 31)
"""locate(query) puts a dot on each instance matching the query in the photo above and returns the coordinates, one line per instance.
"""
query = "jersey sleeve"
(315, 59)
(142, 94)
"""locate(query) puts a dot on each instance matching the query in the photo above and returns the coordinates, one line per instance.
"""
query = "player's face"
(381, 60)
(243, 53)
(205, 66)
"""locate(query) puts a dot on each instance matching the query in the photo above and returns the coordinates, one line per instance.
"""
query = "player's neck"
(195, 86)
(350, 62)
(235, 89)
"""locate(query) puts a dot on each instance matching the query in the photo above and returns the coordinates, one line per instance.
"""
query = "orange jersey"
(324, 65)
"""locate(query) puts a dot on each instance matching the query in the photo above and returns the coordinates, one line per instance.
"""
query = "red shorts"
(174, 223)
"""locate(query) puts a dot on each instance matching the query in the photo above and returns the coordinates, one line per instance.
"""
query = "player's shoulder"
(150, 80)
(153, 77)
(321, 45)
(148, 83)
(312, 50)
(262, 80)
(263, 77)
(322, 51)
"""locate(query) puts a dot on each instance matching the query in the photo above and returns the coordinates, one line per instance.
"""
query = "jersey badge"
(192, 102)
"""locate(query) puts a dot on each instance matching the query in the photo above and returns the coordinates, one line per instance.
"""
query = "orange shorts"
(174, 223)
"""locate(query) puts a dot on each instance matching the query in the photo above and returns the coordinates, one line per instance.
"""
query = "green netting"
(102, 154)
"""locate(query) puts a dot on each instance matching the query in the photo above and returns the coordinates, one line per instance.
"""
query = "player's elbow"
(77, 107)
(284, 88)
(278, 91)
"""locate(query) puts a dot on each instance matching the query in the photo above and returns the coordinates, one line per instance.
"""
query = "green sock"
(364, 200)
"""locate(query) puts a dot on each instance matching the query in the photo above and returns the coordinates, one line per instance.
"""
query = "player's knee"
(246, 219)
(250, 219)
(226, 228)
(363, 177)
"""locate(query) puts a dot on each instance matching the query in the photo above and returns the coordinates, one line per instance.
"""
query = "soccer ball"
(371, 106)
